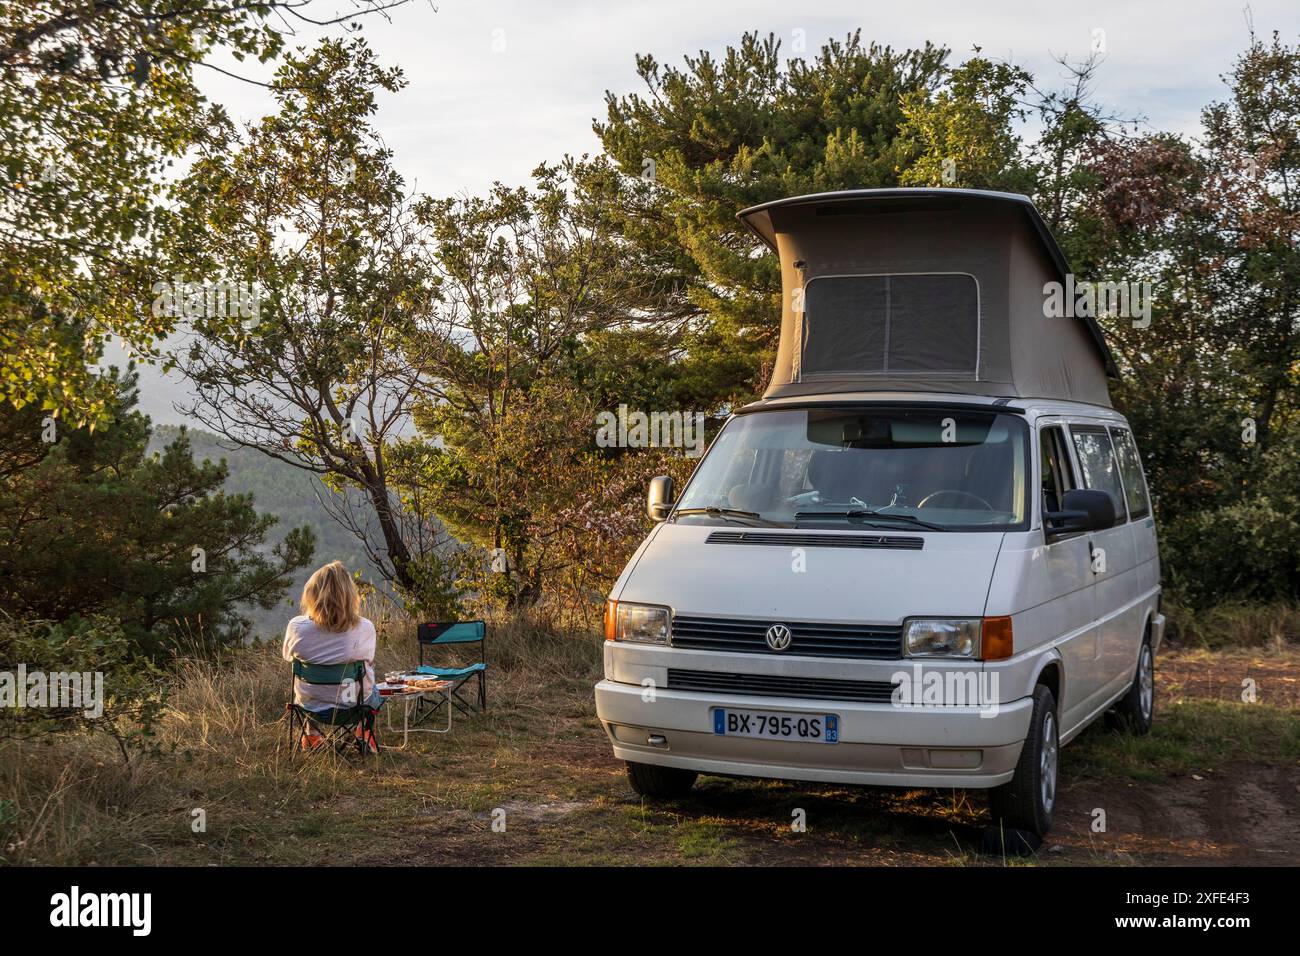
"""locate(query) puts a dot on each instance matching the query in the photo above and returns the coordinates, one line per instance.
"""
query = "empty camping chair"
(457, 632)
(338, 724)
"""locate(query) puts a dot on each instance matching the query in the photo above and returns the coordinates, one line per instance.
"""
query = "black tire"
(653, 781)
(1136, 710)
(1024, 803)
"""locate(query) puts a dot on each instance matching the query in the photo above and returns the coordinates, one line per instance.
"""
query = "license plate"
(776, 725)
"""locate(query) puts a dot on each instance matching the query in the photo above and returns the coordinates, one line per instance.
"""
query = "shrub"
(1245, 551)
(129, 689)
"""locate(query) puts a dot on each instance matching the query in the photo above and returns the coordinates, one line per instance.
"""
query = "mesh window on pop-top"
(891, 323)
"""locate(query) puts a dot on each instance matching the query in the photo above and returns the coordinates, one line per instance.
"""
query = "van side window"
(1097, 462)
(1057, 476)
(1130, 469)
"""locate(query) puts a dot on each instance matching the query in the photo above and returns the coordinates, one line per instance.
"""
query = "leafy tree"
(291, 494)
(528, 279)
(717, 135)
(97, 101)
(306, 206)
(1243, 549)
(964, 133)
(1210, 385)
(96, 528)
(375, 307)
(1253, 145)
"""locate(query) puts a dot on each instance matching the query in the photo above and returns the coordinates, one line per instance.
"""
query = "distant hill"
(282, 490)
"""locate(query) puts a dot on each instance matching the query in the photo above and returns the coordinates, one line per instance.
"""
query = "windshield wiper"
(864, 514)
(730, 513)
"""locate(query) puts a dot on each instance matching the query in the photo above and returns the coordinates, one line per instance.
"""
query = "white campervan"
(927, 557)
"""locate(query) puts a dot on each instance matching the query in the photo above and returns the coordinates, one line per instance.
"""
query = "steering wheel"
(954, 491)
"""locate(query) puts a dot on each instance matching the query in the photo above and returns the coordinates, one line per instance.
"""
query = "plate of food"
(426, 683)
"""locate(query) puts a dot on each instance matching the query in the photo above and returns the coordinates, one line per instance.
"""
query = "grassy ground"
(1217, 781)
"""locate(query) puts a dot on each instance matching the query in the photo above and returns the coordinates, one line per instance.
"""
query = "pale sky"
(471, 114)
(496, 87)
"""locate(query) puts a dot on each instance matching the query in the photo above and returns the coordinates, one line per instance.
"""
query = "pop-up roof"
(935, 290)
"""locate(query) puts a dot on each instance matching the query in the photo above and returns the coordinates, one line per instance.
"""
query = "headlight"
(944, 637)
(643, 623)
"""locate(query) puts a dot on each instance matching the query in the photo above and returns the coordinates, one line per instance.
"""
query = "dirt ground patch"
(533, 781)
(1222, 675)
(581, 810)
(1240, 814)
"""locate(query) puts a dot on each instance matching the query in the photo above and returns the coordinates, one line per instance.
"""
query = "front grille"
(812, 539)
(855, 641)
(810, 688)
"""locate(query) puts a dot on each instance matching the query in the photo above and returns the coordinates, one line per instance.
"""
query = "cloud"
(472, 114)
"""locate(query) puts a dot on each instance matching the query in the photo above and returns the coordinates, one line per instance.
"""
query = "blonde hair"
(330, 598)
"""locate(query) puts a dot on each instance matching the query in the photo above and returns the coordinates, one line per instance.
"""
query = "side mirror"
(1082, 509)
(659, 498)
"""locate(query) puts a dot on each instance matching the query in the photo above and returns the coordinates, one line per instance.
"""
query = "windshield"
(956, 469)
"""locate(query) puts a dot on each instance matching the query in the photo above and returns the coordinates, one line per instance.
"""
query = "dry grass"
(540, 756)
(222, 750)
(1275, 626)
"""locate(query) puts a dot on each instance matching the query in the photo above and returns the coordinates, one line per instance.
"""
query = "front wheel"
(1136, 710)
(650, 780)
(1027, 800)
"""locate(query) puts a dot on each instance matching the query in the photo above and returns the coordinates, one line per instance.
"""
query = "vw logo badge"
(778, 637)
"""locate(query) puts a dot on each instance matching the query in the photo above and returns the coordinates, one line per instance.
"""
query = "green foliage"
(532, 284)
(97, 103)
(289, 493)
(1212, 386)
(133, 689)
(96, 527)
(503, 481)
(312, 211)
(963, 133)
(434, 593)
(1244, 549)
(717, 135)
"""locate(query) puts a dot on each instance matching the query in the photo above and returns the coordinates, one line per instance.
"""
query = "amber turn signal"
(611, 617)
(995, 639)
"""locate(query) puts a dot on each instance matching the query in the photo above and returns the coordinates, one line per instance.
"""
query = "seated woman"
(331, 630)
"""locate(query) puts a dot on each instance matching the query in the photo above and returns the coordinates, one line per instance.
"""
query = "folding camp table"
(410, 699)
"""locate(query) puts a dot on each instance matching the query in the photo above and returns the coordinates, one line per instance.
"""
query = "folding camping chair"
(338, 723)
(456, 632)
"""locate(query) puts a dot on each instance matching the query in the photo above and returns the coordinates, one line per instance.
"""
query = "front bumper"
(880, 744)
